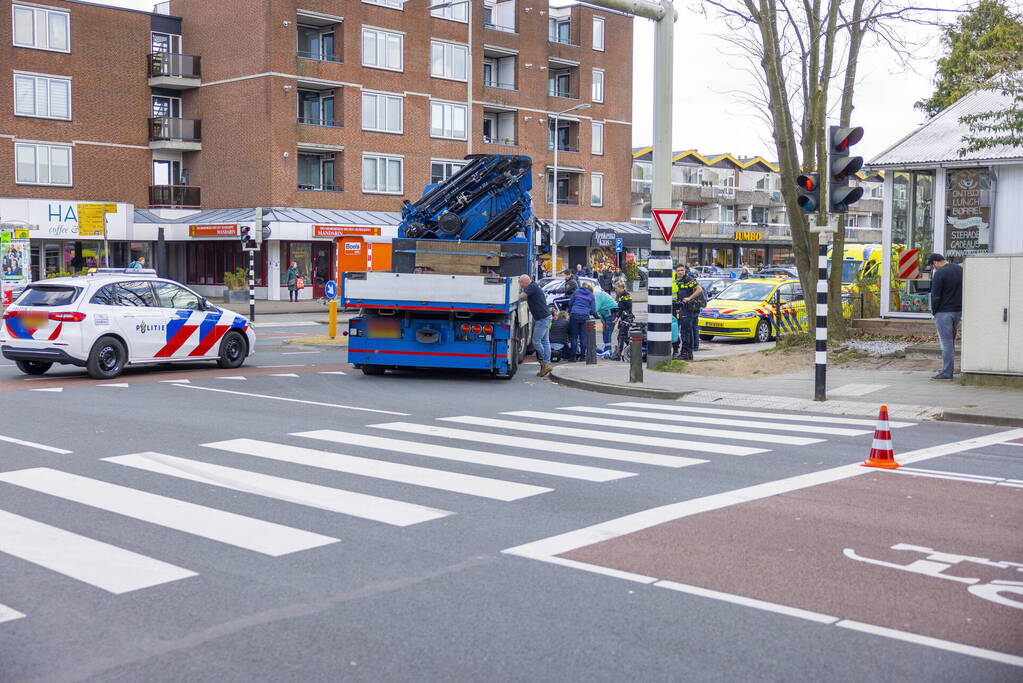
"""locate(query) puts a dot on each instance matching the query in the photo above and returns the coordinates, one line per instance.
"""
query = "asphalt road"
(296, 521)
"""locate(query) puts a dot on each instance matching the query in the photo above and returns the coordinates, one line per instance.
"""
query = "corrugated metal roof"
(939, 140)
(591, 226)
(278, 214)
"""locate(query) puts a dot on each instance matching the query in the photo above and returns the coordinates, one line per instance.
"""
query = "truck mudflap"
(395, 342)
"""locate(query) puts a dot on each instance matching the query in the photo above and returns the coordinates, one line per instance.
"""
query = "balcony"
(490, 83)
(175, 71)
(320, 56)
(497, 140)
(319, 121)
(563, 147)
(319, 187)
(173, 197)
(175, 133)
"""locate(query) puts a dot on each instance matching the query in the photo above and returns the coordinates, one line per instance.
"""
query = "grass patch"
(792, 342)
(846, 355)
(671, 366)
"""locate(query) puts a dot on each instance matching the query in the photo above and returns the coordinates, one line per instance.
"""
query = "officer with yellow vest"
(687, 300)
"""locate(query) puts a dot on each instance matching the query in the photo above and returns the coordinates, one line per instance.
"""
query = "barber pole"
(821, 354)
(909, 264)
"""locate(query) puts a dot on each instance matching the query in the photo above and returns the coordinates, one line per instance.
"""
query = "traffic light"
(809, 197)
(248, 242)
(841, 167)
(257, 227)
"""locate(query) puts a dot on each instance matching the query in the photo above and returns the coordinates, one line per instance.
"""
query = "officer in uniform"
(625, 318)
(687, 300)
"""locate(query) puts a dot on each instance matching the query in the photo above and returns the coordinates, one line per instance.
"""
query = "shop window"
(208, 261)
(912, 229)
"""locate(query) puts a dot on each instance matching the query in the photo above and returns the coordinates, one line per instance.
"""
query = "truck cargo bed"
(429, 292)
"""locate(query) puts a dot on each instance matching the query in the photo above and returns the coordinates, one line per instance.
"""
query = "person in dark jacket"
(580, 307)
(560, 337)
(571, 283)
(947, 307)
(605, 279)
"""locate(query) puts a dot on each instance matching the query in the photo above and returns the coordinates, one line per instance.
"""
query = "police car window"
(106, 296)
(48, 295)
(785, 293)
(135, 294)
(172, 296)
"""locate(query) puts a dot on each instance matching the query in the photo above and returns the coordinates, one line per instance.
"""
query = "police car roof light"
(122, 271)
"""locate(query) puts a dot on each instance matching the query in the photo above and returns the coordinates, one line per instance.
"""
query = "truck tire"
(107, 358)
(513, 360)
(373, 369)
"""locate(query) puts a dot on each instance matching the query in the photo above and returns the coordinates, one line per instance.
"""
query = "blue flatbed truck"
(451, 299)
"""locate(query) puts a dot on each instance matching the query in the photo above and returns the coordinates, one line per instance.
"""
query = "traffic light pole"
(820, 381)
(252, 285)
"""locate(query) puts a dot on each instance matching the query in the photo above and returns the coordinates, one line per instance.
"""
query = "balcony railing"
(498, 84)
(554, 37)
(318, 121)
(562, 147)
(320, 57)
(499, 27)
(173, 197)
(167, 128)
(562, 92)
(565, 201)
(175, 65)
(499, 140)
(319, 187)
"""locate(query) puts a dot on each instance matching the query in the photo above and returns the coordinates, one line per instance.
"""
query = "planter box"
(633, 285)
(236, 296)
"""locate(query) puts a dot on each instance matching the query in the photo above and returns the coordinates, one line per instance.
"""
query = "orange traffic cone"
(881, 453)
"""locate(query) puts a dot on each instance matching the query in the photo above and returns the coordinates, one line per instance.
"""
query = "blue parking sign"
(619, 244)
(330, 289)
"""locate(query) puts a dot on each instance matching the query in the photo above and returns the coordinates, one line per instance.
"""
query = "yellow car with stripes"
(755, 308)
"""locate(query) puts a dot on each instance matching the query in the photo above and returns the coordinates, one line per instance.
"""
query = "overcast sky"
(709, 116)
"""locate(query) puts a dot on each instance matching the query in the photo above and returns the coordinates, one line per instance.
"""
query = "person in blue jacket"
(580, 307)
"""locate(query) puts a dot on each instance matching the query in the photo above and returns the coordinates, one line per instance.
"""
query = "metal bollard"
(332, 324)
(591, 342)
(636, 356)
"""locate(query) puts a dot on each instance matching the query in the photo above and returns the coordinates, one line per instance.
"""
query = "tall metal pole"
(554, 209)
(659, 263)
(820, 382)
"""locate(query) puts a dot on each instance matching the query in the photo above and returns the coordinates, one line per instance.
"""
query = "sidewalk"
(273, 307)
(908, 395)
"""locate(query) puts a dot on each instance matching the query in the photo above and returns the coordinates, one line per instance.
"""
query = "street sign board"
(330, 289)
(92, 219)
(619, 245)
(667, 220)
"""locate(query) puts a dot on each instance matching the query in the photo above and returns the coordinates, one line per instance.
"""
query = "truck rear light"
(466, 328)
(477, 328)
(488, 329)
(68, 317)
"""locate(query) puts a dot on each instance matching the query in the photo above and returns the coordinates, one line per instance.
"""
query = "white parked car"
(113, 318)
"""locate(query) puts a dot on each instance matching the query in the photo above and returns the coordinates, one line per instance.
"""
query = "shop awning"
(280, 215)
(578, 233)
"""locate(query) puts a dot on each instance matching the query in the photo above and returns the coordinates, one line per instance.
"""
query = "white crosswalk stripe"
(727, 422)
(760, 437)
(237, 530)
(9, 614)
(361, 505)
(544, 445)
(615, 437)
(512, 462)
(99, 564)
(407, 474)
(755, 413)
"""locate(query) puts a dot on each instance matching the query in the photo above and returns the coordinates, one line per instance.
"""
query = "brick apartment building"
(331, 113)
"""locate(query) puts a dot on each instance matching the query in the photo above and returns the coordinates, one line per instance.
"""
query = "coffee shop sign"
(52, 219)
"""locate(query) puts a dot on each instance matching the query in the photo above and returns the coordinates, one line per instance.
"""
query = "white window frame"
(461, 106)
(49, 147)
(389, 99)
(456, 166)
(448, 66)
(448, 13)
(599, 21)
(389, 4)
(595, 138)
(45, 11)
(385, 157)
(593, 184)
(174, 40)
(48, 80)
(382, 33)
(593, 87)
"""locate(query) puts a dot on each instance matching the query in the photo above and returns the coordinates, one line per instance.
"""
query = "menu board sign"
(969, 198)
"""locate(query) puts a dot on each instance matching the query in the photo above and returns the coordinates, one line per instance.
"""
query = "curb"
(971, 418)
(605, 388)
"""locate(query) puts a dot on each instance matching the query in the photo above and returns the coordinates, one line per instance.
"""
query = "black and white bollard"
(821, 354)
(658, 308)
(591, 341)
(252, 285)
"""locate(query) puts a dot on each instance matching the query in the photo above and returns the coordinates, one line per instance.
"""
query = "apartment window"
(457, 11)
(443, 170)
(598, 33)
(448, 60)
(559, 83)
(382, 174)
(316, 107)
(598, 85)
(499, 127)
(499, 16)
(43, 29)
(382, 49)
(447, 120)
(499, 72)
(563, 135)
(42, 96)
(166, 107)
(381, 113)
(597, 138)
(564, 188)
(43, 164)
(559, 30)
(316, 172)
(165, 43)
(167, 172)
(317, 42)
(597, 189)
(393, 4)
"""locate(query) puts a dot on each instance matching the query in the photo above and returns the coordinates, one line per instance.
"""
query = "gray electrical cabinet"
(992, 339)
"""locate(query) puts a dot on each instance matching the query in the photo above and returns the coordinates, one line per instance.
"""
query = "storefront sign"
(343, 230)
(218, 230)
(92, 219)
(748, 237)
(44, 218)
(969, 196)
(603, 238)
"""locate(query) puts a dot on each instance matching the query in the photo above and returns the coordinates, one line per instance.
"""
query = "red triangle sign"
(674, 215)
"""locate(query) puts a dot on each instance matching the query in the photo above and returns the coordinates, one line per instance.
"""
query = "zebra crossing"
(586, 445)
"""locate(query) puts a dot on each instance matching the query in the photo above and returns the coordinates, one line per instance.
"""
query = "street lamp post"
(554, 211)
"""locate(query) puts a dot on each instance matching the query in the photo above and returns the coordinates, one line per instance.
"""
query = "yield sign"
(665, 216)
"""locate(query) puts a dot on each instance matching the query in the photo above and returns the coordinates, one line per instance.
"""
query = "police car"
(112, 318)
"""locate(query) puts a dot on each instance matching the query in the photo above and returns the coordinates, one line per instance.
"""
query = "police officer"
(625, 317)
(687, 300)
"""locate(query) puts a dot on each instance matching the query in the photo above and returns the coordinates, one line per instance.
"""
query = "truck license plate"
(384, 329)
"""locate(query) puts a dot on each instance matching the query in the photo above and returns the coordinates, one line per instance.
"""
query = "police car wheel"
(232, 350)
(763, 333)
(34, 367)
(107, 358)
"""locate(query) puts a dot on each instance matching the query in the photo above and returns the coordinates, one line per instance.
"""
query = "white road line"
(928, 475)
(33, 444)
(177, 381)
(938, 643)
(512, 462)
(55, 390)
(235, 377)
(597, 435)
(120, 385)
(332, 372)
(727, 422)
(237, 530)
(749, 602)
(856, 389)
(296, 400)
(283, 374)
(380, 469)
(543, 445)
(8, 614)
(759, 437)
(954, 474)
(344, 502)
(99, 564)
(755, 413)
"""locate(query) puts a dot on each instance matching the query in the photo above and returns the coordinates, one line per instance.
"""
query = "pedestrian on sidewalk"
(606, 306)
(580, 307)
(292, 281)
(537, 301)
(605, 278)
(947, 307)
(618, 278)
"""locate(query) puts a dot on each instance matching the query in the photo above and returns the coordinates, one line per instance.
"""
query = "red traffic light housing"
(841, 168)
(808, 197)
